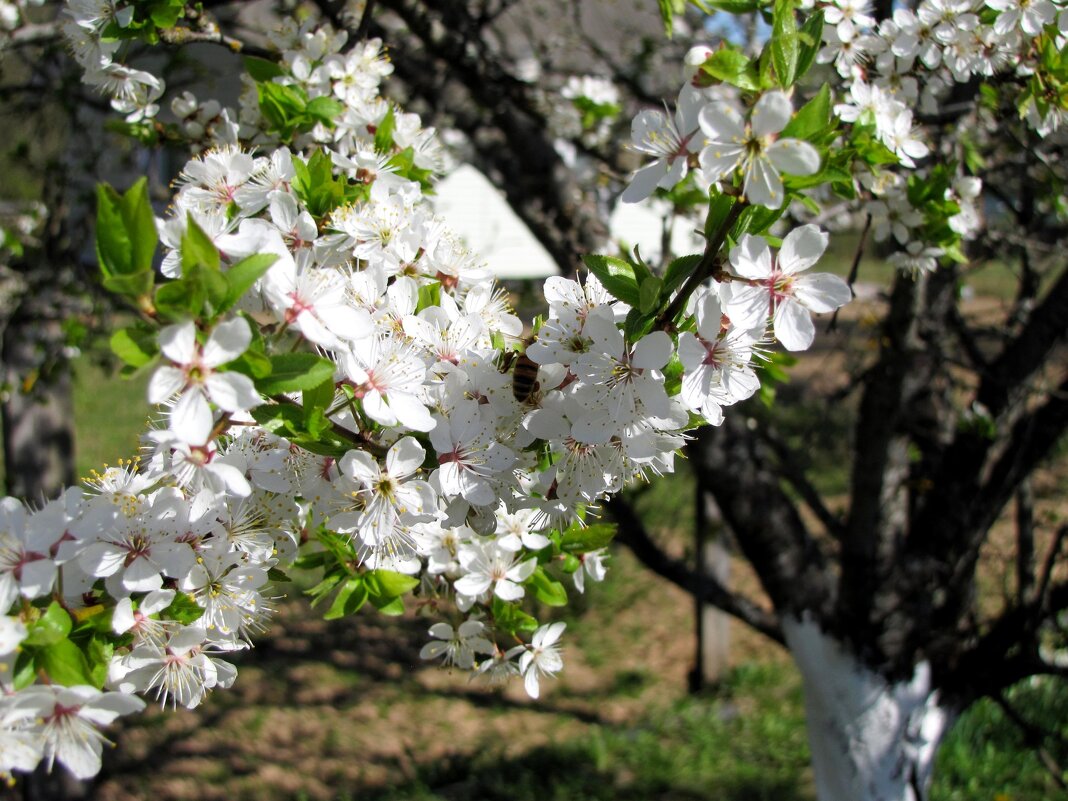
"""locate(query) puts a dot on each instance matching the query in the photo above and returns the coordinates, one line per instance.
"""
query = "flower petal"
(794, 157)
(771, 113)
(802, 248)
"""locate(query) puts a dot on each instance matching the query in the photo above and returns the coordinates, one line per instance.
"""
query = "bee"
(524, 373)
(524, 378)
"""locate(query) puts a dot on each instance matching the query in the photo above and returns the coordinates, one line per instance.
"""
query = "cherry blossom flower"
(458, 646)
(66, 721)
(489, 567)
(755, 148)
(776, 290)
(670, 140)
(390, 501)
(194, 375)
(542, 658)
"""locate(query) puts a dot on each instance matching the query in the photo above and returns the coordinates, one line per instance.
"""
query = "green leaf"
(389, 584)
(140, 222)
(429, 296)
(241, 276)
(583, 539)
(756, 220)
(668, 10)
(617, 276)
(734, 67)
(24, 673)
(64, 663)
(649, 295)
(135, 346)
(637, 324)
(166, 13)
(50, 627)
(282, 106)
(510, 619)
(98, 656)
(295, 372)
(134, 285)
(261, 70)
(812, 118)
(811, 38)
(197, 248)
(719, 208)
(384, 133)
(678, 271)
(179, 300)
(325, 110)
(278, 576)
(325, 587)
(547, 590)
(393, 607)
(319, 397)
(730, 6)
(183, 609)
(785, 46)
(114, 250)
(349, 599)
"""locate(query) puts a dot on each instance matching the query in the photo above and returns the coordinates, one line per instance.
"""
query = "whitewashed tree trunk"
(871, 740)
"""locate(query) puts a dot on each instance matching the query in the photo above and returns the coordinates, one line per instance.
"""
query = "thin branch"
(789, 466)
(1034, 737)
(183, 36)
(707, 588)
(705, 269)
(365, 20)
(1046, 576)
(853, 269)
(1025, 541)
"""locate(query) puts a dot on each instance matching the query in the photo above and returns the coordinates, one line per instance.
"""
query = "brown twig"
(706, 268)
(853, 270)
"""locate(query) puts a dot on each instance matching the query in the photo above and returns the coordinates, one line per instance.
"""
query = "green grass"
(110, 413)
(697, 748)
(985, 757)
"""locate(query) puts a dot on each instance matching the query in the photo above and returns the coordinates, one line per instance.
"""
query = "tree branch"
(707, 588)
(789, 466)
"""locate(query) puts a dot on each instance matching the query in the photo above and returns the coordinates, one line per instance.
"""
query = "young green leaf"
(785, 46)
(812, 118)
(197, 248)
(810, 38)
(583, 539)
(261, 70)
(384, 133)
(389, 584)
(50, 627)
(241, 276)
(547, 590)
(64, 663)
(733, 67)
(617, 276)
(135, 346)
(295, 372)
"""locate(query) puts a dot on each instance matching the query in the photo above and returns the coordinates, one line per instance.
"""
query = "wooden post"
(712, 626)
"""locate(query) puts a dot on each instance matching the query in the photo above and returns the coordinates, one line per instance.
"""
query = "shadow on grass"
(579, 770)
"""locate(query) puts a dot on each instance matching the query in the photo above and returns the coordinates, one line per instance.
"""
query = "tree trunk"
(871, 740)
(38, 417)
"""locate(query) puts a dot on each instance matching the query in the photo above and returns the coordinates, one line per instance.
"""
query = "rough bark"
(38, 414)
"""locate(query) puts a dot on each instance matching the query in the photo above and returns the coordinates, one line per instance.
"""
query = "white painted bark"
(871, 740)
